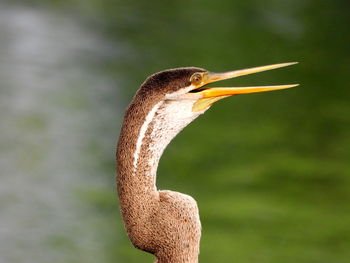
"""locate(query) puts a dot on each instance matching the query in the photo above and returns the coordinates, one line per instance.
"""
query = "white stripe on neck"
(142, 133)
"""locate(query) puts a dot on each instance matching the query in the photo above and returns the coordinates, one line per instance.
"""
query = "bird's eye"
(196, 79)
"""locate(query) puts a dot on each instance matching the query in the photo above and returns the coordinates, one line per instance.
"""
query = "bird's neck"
(144, 136)
(143, 140)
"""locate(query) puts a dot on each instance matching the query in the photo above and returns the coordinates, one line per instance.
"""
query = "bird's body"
(164, 223)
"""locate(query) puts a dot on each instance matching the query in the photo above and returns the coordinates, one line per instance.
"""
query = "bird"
(162, 222)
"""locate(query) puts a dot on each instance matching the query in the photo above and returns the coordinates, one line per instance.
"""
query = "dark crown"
(168, 81)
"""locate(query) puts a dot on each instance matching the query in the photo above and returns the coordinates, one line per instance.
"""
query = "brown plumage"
(165, 223)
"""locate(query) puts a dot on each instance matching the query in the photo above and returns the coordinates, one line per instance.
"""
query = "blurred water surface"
(270, 171)
(52, 90)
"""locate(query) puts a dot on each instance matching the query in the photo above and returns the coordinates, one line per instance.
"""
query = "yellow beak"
(210, 95)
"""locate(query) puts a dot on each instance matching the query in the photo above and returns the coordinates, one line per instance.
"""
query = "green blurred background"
(270, 171)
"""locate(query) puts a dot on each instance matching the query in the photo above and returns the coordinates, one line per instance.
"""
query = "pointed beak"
(210, 95)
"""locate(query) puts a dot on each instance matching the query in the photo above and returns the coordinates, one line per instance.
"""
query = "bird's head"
(185, 89)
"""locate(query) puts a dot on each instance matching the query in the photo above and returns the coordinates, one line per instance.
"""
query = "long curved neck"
(135, 177)
(143, 138)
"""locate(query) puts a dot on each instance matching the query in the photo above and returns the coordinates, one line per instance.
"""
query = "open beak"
(207, 96)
